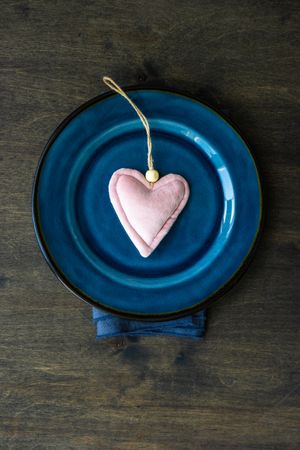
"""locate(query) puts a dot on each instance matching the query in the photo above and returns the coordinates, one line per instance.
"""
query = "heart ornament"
(146, 206)
(146, 210)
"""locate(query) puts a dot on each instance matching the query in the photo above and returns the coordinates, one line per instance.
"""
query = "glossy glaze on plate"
(82, 238)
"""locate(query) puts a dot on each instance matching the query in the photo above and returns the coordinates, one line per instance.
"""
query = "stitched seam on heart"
(135, 179)
(170, 216)
(149, 245)
(121, 206)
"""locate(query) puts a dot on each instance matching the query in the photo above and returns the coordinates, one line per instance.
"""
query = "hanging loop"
(151, 175)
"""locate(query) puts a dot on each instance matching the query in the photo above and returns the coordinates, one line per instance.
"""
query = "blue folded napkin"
(109, 325)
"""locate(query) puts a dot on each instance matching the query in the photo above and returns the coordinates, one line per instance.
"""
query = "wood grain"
(59, 389)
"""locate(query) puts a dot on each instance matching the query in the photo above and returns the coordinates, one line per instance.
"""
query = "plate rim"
(213, 297)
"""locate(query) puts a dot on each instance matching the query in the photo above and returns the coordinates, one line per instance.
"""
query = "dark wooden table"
(59, 388)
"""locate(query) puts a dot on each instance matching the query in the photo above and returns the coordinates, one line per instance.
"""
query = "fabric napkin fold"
(108, 326)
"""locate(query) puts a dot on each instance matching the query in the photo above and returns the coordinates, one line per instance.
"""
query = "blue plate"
(81, 236)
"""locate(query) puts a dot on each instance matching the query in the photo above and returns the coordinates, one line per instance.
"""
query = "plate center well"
(98, 228)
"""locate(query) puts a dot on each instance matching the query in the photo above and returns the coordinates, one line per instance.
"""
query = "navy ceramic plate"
(81, 236)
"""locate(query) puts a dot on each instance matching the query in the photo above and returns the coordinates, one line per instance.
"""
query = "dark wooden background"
(59, 389)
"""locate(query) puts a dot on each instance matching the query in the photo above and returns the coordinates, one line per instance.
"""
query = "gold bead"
(152, 175)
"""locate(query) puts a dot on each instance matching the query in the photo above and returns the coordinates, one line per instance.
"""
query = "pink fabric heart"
(147, 211)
